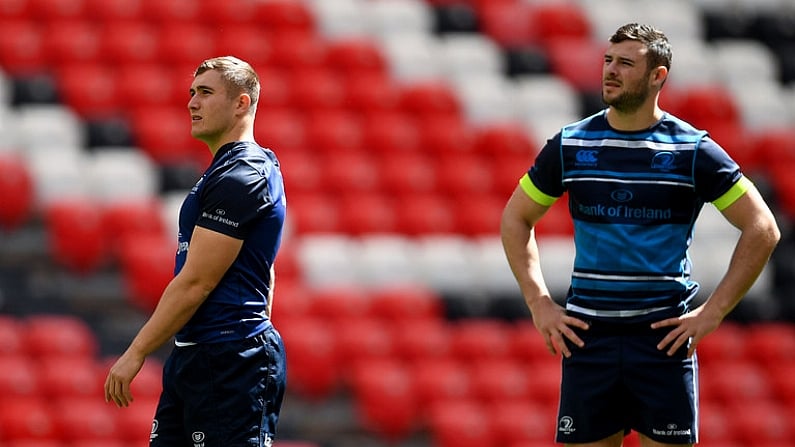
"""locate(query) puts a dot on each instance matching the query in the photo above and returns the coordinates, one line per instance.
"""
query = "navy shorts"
(222, 394)
(619, 381)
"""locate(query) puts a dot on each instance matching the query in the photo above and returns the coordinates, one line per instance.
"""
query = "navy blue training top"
(241, 194)
(634, 198)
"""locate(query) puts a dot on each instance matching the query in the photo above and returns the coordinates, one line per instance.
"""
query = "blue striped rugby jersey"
(634, 198)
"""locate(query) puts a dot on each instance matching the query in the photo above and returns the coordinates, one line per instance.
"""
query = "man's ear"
(660, 74)
(243, 103)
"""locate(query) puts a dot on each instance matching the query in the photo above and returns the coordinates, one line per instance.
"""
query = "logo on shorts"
(198, 438)
(671, 430)
(153, 435)
(566, 425)
(268, 442)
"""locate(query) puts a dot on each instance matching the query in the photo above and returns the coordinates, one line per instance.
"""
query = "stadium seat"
(312, 212)
(114, 11)
(427, 213)
(228, 14)
(59, 335)
(445, 134)
(762, 422)
(146, 262)
(579, 62)
(546, 384)
(405, 302)
(75, 234)
(419, 340)
(135, 422)
(487, 99)
(301, 170)
(716, 423)
(406, 172)
(129, 42)
(84, 419)
(426, 99)
(543, 96)
(559, 20)
(316, 89)
(726, 344)
(11, 337)
(18, 377)
(284, 15)
(133, 218)
(506, 22)
(517, 422)
(365, 213)
(390, 133)
(22, 47)
(172, 13)
(500, 381)
(438, 380)
(527, 344)
(706, 106)
(507, 170)
(186, 42)
(478, 213)
(355, 56)
(312, 368)
(504, 139)
(50, 10)
(469, 55)
(339, 303)
(149, 84)
(463, 175)
(460, 423)
(28, 419)
(383, 259)
(72, 42)
(413, 58)
(282, 130)
(331, 132)
(346, 171)
(557, 220)
(384, 400)
(66, 377)
(737, 381)
(771, 342)
(164, 134)
(17, 204)
(475, 341)
(296, 49)
(369, 93)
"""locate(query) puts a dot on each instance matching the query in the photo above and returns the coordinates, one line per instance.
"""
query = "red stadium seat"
(132, 218)
(302, 171)
(312, 212)
(546, 383)
(774, 146)
(405, 302)
(276, 90)
(425, 213)
(727, 343)
(316, 89)
(129, 42)
(419, 340)
(47, 10)
(363, 213)
(481, 340)
(72, 41)
(284, 15)
(386, 133)
(18, 378)
(439, 380)
(228, 14)
(516, 422)
(245, 40)
(445, 135)
(737, 381)
(527, 344)
(312, 368)
(149, 84)
(463, 174)
(716, 425)
(11, 337)
(506, 139)
(579, 62)
(282, 130)
(147, 266)
(185, 42)
(705, 106)
(333, 132)
(75, 235)
(349, 171)
(761, 422)
(771, 342)
(479, 214)
(499, 381)
(362, 341)
(339, 303)
(164, 134)
(426, 99)
(59, 335)
(506, 22)
(85, 419)
(69, 377)
(559, 20)
(112, 10)
(296, 49)
(781, 383)
(369, 93)
(355, 56)
(18, 200)
(22, 47)
(171, 12)
(384, 399)
(135, 422)
(90, 89)
(557, 220)
(460, 423)
(408, 172)
(27, 419)
(507, 170)
(15, 9)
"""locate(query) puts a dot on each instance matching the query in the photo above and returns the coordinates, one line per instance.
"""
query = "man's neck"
(639, 119)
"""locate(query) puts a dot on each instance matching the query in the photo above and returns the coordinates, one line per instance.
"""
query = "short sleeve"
(232, 198)
(546, 174)
(715, 172)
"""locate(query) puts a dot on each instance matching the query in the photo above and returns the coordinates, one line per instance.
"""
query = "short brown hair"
(655, 41)
(238, 74)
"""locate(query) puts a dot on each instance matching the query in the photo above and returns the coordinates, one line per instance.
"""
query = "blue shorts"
(619, 381)
(222, 394)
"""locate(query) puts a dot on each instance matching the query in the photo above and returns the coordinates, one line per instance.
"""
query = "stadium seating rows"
(375, 121)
